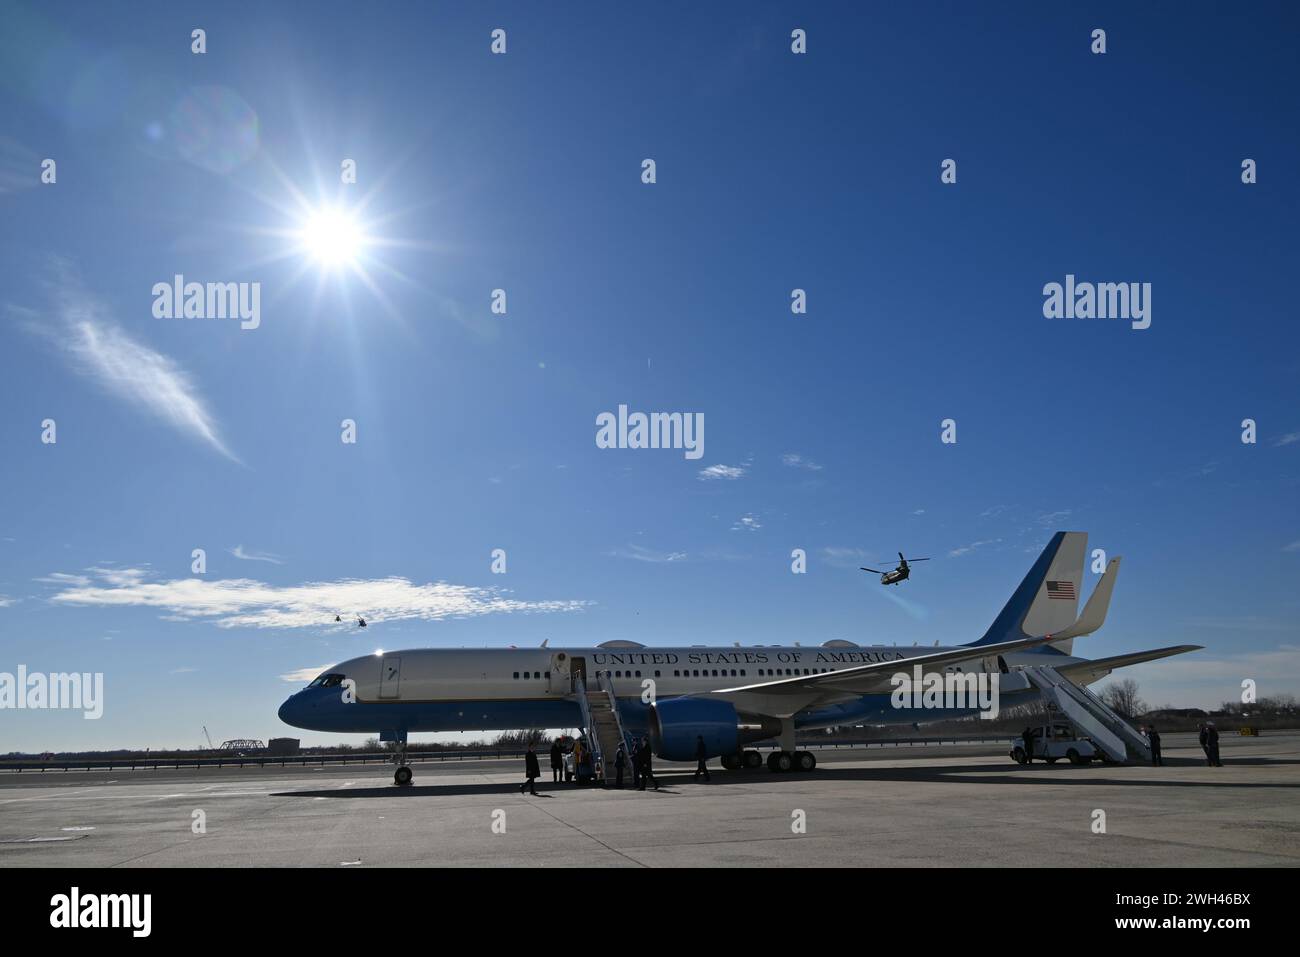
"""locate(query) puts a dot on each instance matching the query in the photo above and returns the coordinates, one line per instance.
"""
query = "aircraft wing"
(1086, 672)
(872, 678)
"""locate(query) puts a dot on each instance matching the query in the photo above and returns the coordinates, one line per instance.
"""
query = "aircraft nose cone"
(287, 710)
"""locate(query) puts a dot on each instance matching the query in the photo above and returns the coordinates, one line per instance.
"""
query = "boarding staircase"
(603, 724)
(1092, 716)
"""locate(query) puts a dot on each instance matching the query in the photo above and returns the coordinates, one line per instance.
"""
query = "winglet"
(1094, 613)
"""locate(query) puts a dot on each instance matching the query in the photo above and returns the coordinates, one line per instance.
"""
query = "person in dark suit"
(1210, 745)
(557, 761)
(532, 771)
(647, 770)
(1153, 736)
(701, 758)
(620, 761)
(1027, 736)
(636, 764)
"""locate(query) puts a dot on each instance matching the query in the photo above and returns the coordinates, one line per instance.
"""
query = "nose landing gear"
(403, 776)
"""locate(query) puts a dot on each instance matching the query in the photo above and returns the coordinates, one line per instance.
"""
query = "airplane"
(900, 574)
(730, 697)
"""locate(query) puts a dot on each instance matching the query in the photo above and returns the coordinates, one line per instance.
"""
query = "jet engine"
(676, 723)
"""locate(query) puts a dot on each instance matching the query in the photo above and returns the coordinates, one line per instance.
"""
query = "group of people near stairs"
(580, 764)
(1208, 736)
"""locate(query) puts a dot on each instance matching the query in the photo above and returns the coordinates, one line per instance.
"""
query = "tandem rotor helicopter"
(899, 574)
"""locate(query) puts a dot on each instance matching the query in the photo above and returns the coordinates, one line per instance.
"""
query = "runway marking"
(84, 827)
(40, 840)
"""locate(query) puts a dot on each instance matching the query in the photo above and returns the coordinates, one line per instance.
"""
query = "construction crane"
(211, 746)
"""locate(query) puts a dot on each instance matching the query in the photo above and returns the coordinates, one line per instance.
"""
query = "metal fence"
(134, 763)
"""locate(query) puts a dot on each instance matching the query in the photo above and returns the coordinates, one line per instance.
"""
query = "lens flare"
(332, 237)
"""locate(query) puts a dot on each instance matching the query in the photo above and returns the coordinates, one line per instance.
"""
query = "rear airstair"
(1090, 715)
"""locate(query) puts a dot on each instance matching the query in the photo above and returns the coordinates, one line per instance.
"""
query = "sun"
(332, 237)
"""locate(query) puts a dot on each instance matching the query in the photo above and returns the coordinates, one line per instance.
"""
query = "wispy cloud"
(238, 552)
(844, 557)
(747, 523)
(715, 472)
(245, 603)
(796, 461)
(303, 674)
(643, 554)
(967, 549)
(183, 671)
(1050, 519)
(1293, 547)
(1253, 623)
(98, 348)
(19, 166)
(6, 601)
(60, 578)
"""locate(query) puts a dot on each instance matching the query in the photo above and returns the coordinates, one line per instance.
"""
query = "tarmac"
(912, 807)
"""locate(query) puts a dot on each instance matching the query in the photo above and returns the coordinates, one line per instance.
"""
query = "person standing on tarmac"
(620, 761)
(532, 771)
(647, 771)
(1210, 744)
(1027, 736)
(701, 756)
(557, 761)
(636, 764)
(1153, 737)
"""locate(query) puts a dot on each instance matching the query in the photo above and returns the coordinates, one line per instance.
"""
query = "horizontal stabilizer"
(1084, 672)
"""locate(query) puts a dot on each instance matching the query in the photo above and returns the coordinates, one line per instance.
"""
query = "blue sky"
(476, 431)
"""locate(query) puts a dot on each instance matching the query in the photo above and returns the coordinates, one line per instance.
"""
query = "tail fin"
(1047, 601)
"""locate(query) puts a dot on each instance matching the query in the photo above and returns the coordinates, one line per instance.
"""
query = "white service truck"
(1057, 740)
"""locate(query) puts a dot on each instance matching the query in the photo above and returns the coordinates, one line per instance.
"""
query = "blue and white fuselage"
(714, 700)
(423, 690)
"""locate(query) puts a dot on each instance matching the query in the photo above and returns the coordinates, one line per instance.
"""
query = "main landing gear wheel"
(731, 762)
(780, 762)
(402, 776)
(753, 760)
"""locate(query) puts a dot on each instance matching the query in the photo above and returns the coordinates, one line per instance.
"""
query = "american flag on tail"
(1062, 590)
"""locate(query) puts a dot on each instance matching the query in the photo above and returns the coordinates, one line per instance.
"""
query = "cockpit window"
(327, 681)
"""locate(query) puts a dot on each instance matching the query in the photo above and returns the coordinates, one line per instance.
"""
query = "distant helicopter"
(899, 574)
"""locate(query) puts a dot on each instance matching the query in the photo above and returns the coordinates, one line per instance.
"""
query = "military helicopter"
(899, 574)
